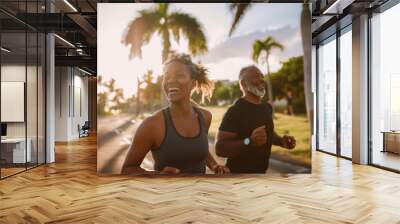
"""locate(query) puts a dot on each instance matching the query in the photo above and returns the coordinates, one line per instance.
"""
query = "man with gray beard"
(246, 133)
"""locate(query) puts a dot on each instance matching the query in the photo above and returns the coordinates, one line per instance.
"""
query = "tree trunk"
(305, 22)
(165, 52)
(166, 44)
(269, 86)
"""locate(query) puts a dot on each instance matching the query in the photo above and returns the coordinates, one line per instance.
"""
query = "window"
(346, 92)
(385, 89)
(327, 95)
(22, 88)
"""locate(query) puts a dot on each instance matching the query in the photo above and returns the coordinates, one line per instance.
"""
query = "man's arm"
(227, 144)
(288, 142)
(276, 139)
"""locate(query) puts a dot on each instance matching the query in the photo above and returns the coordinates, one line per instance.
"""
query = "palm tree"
(240, 9)
(110, 85)
(118, 100)
(160, 20)
(266, 45)
(102, 97)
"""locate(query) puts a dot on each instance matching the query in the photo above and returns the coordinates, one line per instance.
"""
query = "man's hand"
(220, 169)
(288, 142)
(259, 136)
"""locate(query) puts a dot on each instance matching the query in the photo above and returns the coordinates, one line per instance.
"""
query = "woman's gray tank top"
(188, 154)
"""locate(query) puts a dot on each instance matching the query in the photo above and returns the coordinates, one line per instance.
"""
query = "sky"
(226, 55)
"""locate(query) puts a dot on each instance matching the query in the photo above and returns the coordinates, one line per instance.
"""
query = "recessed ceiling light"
(5, 50)
(70, 5)
(84, 71)
(337, 7)
(64, 40)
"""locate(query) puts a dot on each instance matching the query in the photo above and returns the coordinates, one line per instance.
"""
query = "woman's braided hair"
(198, 72)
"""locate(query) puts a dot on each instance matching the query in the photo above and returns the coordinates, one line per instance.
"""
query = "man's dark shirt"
(242, 118)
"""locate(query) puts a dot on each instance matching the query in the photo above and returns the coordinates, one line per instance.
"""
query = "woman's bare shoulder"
(153, 121)
(206, 114)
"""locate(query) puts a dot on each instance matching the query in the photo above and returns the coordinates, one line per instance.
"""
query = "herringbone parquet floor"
(70, 191)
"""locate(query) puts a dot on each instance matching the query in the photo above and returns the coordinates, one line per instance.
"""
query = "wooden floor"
(70, 191)
(10, 171)
(386, 159)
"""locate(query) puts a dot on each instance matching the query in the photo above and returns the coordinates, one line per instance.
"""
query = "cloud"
(241, 46)
(227, 69)
(227, 58)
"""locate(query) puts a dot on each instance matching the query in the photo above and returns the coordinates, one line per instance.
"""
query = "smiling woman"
(175, 69)
(178, 135)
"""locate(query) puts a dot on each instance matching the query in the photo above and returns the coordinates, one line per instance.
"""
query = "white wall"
(80, 110)
(71, 94)
(62, 81)
(33, 127)
(12, 73)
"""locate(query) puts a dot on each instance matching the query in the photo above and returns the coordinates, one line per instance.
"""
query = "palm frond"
(270, 43)
(276, 45)
(162, 8)
(191, 28)
(140, 31)
(166, 42)
(267, 45)
(174, 28)
(239, 9)
(258, 46)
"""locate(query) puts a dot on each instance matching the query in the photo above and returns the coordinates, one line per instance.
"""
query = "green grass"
(296, 126)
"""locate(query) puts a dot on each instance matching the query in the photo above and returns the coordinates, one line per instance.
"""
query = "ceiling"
(332, 15)
(75, 23)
